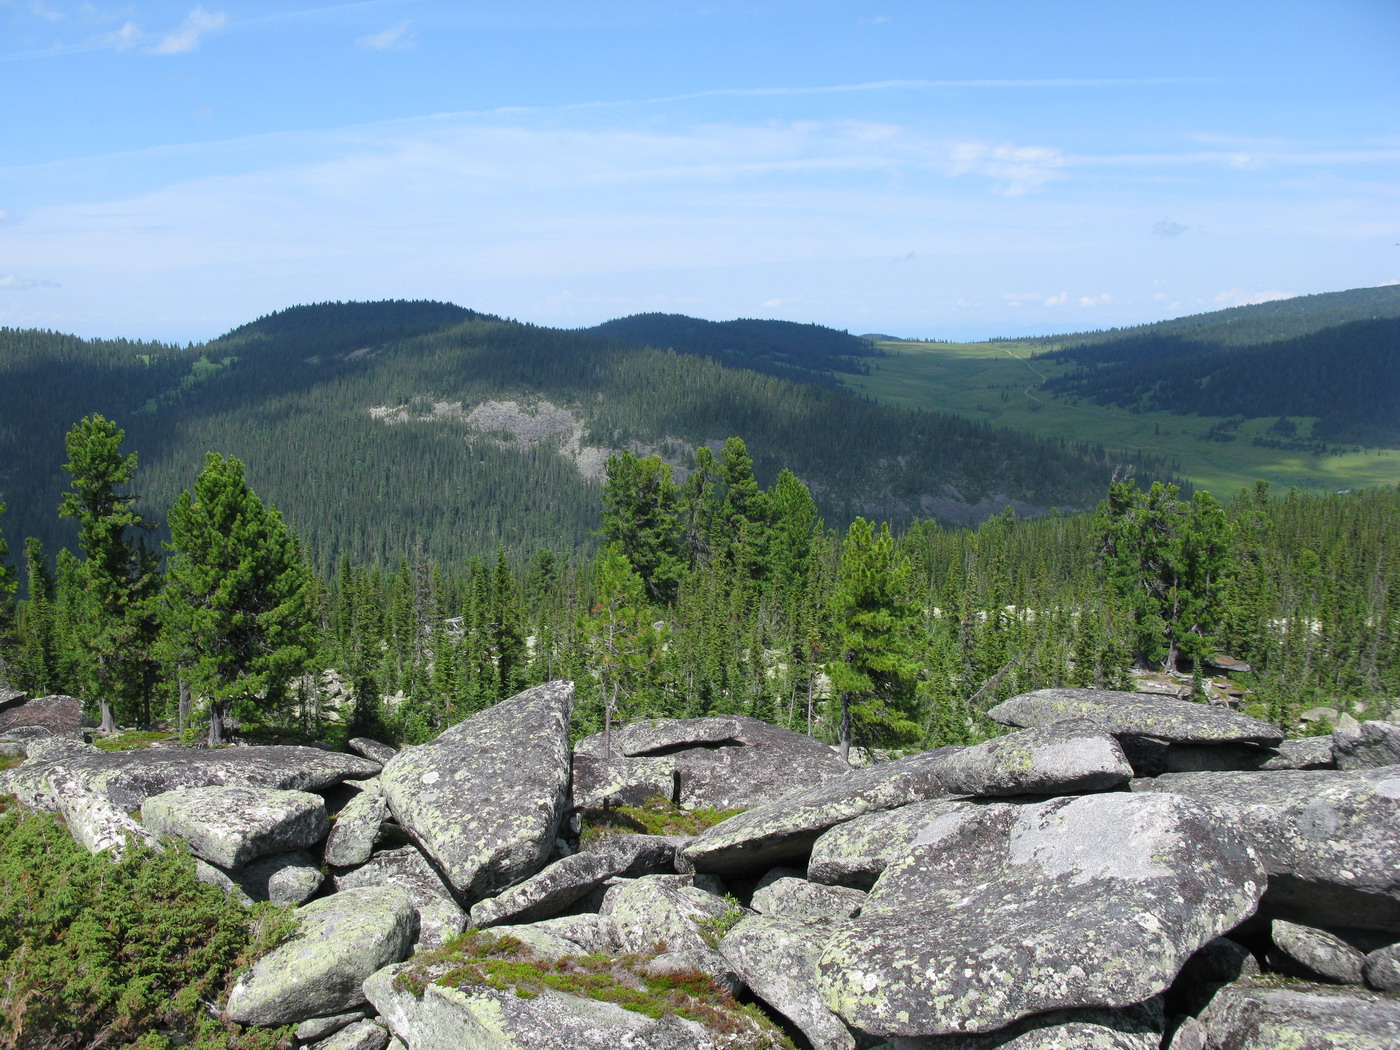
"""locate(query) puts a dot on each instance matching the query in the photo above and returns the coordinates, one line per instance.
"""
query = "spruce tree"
(239, 594)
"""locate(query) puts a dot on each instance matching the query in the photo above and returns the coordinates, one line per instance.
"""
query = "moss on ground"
(656, 816)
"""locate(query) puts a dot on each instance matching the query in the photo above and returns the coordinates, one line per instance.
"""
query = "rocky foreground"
(1119, 872)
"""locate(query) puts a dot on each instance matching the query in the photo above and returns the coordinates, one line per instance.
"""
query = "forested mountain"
(805, 352)
(384, 427)
(1347, 376)
(1257, 323)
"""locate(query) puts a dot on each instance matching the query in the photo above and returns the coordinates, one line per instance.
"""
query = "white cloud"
(128, 36)
(1167, 228)
(1240, 297)
(395, 38)
(1021, 168)
(1095, 300)
(1056, 300)
(10, 283)
(186, 38)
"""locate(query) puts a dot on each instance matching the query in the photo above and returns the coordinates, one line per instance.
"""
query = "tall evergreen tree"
(238, 592)
(641, 506)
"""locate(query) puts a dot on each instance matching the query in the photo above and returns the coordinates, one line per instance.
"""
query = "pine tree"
(641, 507)
(238, 592)
(9, 583)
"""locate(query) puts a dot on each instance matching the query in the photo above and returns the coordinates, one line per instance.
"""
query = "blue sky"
(937, 169)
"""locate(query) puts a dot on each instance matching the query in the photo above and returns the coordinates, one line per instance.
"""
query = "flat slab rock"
(856, 852)
(1133, 1028)
(128, 778)
(1249, 1016)
(1064, 758)
(784, 830)
(233, 826)
(1179, 721)
(1329, 839)
(999, 911)
(484, 800)
(1369, 745)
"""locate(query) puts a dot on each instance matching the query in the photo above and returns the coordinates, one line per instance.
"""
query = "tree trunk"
(608, 707)
(845, 738)
(183, 715)
(216, 724)
(109, 724)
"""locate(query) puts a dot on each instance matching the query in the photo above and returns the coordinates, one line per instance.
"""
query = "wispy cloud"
(1167, 228)
(1240, 297)
(10, 283)
(395, 38)
(1020, 169)
(197, 24)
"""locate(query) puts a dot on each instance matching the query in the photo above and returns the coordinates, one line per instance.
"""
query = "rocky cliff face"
(1071, 884)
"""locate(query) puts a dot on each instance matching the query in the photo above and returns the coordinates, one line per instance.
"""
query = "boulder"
(662, 909)
(1308, 952)
(783, 831)
(697, 960)
(93, 821)
(777, 958)
(1178, 721)
(1369, 745)
(318, 971)
(319, 1027)
(856, 852)
(231, 826)
(565, 881)
(484, 800)
(128, 778)
(361, 1035)
(1137, 1027)
(1382, 968)
(1250, 1016)
(1329, 839)
(1063, 758)
(731, 762)
(282, 878)
(999, 911)
(352, 839)
(444, 1018)
(439, 916)
(371, 749)
(59, 716)
(784, 893)
(1309, 752)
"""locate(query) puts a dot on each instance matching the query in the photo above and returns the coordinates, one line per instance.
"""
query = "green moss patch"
(656, 816)
(480, 958)
(133, 740)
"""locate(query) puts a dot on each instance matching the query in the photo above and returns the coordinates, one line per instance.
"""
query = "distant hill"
(378, 428)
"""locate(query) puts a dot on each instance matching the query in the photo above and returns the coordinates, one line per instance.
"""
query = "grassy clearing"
(998, 383)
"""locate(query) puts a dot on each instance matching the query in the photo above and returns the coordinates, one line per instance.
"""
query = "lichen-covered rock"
(361, 1035)
(783, 893)
(1382, 968)
(282, 878)
(484, 799)
(1330, 839)
(232, 826)
(318, 971)
(49, 716)
(777, 958)
(590, 931)
(999, 911)
(319, 1027)
(1179, 721)
(783, 831)
(439, 916)
(351, 840)
(128, 778)
(371, 749)
(1369, 745)
(856, 852)
(661, 909)
(1309, 952)
(1137, 1027)
(731, 762)
(1247, 1016)
(1309, 752)
(1062, 758)
(95, 824)
(478, 1017)
(565, 881)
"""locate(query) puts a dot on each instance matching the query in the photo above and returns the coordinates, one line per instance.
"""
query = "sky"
(955, 169)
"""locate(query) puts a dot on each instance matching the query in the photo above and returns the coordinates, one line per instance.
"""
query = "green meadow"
(998, 383)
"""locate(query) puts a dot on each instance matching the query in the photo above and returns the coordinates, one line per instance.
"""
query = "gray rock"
(356, 829)
(777, 958)
(282, 878)
(60, 749)
(1220, 961)
(565, 881)
(231, 826)
(661, 909)
(1189, 1034)
(1063, 758)
(341, 940)
(1309, 752)
(484, 799)
(1179, 721)
(95, 824)
(856, 852)
(362, 1035)
(128, 778)
(1382, 969)
(1330, 839)
(791, 897)
(320, 1027)
(1246, 1016)
(1369, 745)
(731, 762)
(371, 749)
(439, 916)
(698, 960)
(1134, 1028)
(48, 716)
(1316, 953)
(477, 1017)
(1094, 900)
(784, 830)
(591, 932)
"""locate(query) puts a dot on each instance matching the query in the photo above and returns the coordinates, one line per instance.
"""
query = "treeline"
(711, 595)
